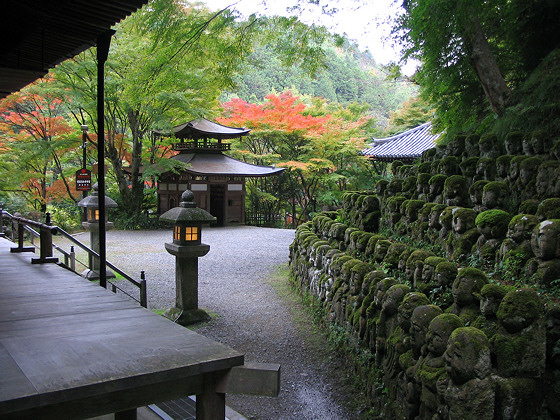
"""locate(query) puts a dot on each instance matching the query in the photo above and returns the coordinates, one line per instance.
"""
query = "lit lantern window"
(185, 234)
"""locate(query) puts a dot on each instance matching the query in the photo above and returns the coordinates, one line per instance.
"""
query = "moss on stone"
(393, 255)
(438, 180)
(529, 206)
(424, 167)
(476, 274)
(371, 244)
(519, 309)
(447, 268)
(418, 255)
(468, 166)
(446, 216)
(394, 203)
(455, 183)
(498, 221)
(498, 187)
(549, 209)
(492, 290)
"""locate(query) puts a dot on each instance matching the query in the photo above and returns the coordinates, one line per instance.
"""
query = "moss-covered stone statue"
(486, 169)
(410, 385)
(491, 296)
(423, 186)
(456, 191)
(373, 312)
(425, 281)
(537, 143)
(520, 353)
(369, 290)
(549, 209)
(468, 168)
(445, 275)
(449, 165)
(514, 143)
(526, 183)
(490, 146)
(464, 234)
(545, 243)
(520, 349)
(469, 393)
(466, 293)
(496, 195)
(437, 183)
(415, 263)
(475, 193)
(431, 368)
(492, 226)
(502, 167)
(471, 145)
(515, 250)
(388, 319)
(547, 184)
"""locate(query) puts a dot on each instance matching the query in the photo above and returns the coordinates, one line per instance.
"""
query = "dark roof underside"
(405, 146)
(219, 164)
(203, 128)
(36, 35)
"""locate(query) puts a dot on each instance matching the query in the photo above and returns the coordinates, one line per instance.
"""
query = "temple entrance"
(217, 201)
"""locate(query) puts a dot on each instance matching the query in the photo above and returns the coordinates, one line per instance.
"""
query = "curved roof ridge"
(407, 145)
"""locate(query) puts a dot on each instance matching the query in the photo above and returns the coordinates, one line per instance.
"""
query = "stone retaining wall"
(392, 267)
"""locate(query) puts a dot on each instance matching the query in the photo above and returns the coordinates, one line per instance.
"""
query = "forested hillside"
(349, 76)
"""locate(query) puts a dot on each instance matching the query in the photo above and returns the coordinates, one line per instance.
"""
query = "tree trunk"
(484, 61)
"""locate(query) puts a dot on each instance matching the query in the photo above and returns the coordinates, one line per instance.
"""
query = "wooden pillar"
(211, 405)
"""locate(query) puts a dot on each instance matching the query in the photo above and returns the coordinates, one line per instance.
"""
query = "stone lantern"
(187, 222)
(91, 207)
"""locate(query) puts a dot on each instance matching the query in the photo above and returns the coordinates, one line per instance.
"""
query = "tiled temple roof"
(405, 146)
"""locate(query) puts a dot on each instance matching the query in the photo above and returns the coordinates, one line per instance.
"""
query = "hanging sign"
(83, 179)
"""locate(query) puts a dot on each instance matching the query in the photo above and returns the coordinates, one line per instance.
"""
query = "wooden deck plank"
(67, 344)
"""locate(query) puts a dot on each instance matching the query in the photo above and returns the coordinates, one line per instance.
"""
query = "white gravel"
(235, 286)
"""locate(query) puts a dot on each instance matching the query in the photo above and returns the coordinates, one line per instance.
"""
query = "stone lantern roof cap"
(92, 200)
(187, 212)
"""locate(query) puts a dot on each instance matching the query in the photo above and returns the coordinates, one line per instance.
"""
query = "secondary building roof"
(405, 146)
(219, 164)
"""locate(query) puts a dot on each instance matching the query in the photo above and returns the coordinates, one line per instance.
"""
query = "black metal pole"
(103, 43)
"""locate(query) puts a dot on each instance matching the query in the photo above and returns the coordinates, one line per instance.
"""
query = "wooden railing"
(21, 227)
(201, 146)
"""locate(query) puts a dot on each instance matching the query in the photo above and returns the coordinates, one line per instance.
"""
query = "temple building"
(217, 180)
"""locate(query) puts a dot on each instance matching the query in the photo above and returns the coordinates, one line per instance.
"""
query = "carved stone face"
(419, 323)
(542, 182)
(492, 199)
(438, 335)
(489, 306)
(392, 299)
(544, 240)
(521, 230)
(410, 302)
(428, 272)
(462, 290)
(467, 355)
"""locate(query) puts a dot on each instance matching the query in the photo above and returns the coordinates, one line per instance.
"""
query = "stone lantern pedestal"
(187, 249)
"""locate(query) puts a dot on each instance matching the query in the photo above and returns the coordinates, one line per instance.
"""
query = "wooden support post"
(211, 405)
(45, 255)
(20, 236)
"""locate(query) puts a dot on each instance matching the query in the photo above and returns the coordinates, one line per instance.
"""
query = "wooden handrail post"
(45, 240)
(72, 256)
(143, 290)
(20, 236)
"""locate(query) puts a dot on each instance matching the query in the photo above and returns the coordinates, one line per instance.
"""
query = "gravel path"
(241, 284)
